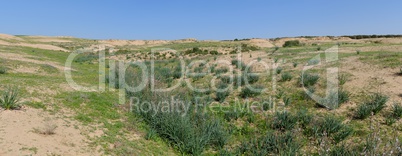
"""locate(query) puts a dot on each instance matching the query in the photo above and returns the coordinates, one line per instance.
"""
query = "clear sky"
(202, 19)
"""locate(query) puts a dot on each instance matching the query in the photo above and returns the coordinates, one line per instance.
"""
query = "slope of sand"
(19, 137)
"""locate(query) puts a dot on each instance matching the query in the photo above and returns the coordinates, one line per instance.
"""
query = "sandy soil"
(371, 78)
(10, 37)
(19, 137)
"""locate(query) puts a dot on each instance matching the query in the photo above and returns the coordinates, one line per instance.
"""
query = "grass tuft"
(10, 99)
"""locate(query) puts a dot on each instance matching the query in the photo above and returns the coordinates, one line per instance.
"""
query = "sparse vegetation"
(374, 105)
(10, 98)
(306, 79)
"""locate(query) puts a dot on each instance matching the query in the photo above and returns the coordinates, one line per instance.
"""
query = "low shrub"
(334, 99)
(292, 43)
(397, 110)
(10, 98)
(3, 70)
(307, 79)
(284, 121)
(251, 92)
(374, 105)
(330, 127)
(313, 62)
(86, 57)
(221, 71)
(286, 77)
(221, 95)
(271, 144)
(295, 64)
(278, 70)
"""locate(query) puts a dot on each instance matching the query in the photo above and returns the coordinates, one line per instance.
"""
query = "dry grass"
(48, 128)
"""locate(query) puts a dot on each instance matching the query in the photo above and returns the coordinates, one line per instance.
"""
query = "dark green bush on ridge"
(293, 43)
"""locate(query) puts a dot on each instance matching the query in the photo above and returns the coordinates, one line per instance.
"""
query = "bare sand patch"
(18, 136)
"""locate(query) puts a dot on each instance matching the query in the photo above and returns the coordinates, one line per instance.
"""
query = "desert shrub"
(295, 64)
(246, 47)
(357, 52)
(221, 71)
(374, 105)
(151, 134)
(286, 101)
(221, 95)
(271, 144)
(10, 98)
(48, 129)
(397, 110)
(3, 70)
(293, 43)
(362, 112)
(307, 79)
(242, 79)
(343, 150)
(286, 77)
(239, 64)
(334, 99)
(304, 117)
(284, 121)
(247, 92)
(400, 72)
(214, 52)
(342, 79)
(330, 127)
(278, 70)
(267, 104)
(86, 57)
(389, 120)
(177, 73)
(190, 133)
(313, 62)
(226, 79)
(276, 60)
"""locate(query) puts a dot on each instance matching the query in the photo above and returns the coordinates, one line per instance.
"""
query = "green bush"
(271, 144)
(190, 133)
(286, 77)
(284, 121)
(374, 105)
(221, 95)
(239, 64)
(86, 57)
(10, 98)
(177, 73)
(397, 110)
(3, 70)
(295, 64)
(247, 92)
(293, 43)
(334, 100)
(313, 62)
(400, 72)
(278, 70)
(363, 111)
(221, 71)
(307, 79)
(304, 117)
(343, 150)
(242, 79)
(330, 127)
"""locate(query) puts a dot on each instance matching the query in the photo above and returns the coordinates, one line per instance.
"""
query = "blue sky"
(203, 19)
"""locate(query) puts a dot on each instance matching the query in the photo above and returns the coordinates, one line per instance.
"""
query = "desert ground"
(52, 117)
